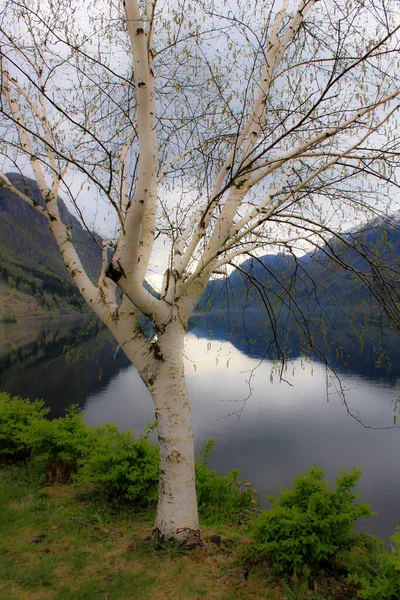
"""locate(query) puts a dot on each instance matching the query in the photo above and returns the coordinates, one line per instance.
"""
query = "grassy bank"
(63, 543)
(77, 506)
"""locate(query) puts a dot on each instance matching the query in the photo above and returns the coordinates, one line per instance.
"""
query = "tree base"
(184, 538)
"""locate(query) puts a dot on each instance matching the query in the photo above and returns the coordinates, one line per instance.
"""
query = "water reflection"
(270, 429)
(283, 427)
(61, 362)
(372, 351)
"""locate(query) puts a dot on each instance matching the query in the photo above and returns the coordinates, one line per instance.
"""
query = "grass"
(60, 542)
(63, 543)
(87, 541)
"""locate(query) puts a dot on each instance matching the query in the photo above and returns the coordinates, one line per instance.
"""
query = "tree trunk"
(177, 516)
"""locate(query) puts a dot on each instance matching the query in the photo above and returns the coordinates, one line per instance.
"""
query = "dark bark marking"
(156, 350)
(114, 272)
(190, 540)
(174, 458)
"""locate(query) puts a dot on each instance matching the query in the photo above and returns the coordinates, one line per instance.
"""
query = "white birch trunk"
(177, 516)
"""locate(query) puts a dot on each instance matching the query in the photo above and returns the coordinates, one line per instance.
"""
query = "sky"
(98, 216)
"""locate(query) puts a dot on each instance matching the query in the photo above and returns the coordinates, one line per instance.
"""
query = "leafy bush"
(221, 497)
(308, 525)
(9, 318)
(112, 460)
(16, 417)
(374, 570)
(60, 444)
(122, 466)
(55, 446)
(115, 463)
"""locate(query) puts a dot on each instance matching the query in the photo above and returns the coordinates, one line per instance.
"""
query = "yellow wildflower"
(254, 491)
(248, 484)
(254, 501)
(238, 483)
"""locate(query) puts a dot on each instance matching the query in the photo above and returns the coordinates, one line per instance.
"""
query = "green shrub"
(121, 466)
(9, 318)
(308, 525)
(55, 446)
(116, 463)
(16, 417)
(59, 445)
(374, 570)
(221, 497)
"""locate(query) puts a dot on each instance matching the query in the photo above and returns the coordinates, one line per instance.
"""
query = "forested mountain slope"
(35, 282)
(348, 272)
(33, 277)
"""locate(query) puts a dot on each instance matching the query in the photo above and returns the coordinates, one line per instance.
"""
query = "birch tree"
(221, 129)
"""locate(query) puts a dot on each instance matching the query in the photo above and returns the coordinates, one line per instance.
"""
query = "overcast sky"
(100, 218)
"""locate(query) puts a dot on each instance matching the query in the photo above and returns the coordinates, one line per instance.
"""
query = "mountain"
(328, 274)
(291, 303)
(33, 278)
(35, 282)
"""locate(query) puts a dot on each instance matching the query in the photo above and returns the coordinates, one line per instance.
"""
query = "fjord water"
(268, 426)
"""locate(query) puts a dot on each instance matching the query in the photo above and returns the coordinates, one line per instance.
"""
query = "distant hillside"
(33, 277)
(286, 286)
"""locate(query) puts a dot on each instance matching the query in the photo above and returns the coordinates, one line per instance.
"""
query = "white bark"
(160, 364)
(177, 505)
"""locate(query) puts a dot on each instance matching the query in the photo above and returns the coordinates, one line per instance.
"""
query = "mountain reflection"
(61, 362)
(371, 351)
(283, 427)
(64, 362)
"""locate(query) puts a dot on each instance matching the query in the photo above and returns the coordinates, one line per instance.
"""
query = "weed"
(40, 574)
(222, 498)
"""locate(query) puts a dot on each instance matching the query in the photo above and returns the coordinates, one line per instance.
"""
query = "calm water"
(270, 429)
